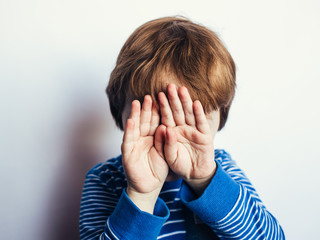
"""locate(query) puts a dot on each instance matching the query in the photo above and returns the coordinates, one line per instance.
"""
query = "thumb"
(159, 138)
(170, 146)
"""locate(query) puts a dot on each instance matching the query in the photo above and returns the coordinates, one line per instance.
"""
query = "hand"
(145, 167)
(188, 147)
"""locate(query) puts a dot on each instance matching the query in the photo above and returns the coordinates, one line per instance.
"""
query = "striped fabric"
(230, 206)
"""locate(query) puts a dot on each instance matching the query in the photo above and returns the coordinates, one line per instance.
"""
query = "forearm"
(127, 220)
(248, 220)
(106, 214)
(231, 210)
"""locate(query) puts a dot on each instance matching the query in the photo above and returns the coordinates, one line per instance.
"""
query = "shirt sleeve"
(231, 206)
(104, 216)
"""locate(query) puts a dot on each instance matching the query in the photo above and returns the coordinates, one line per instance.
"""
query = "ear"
(224, 111)
(125, 114)
(214, 121)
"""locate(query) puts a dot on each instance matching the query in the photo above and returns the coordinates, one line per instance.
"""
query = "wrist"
(199, 185)
(144, 201)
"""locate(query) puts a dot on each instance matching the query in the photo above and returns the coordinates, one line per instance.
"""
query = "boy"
(170, 92)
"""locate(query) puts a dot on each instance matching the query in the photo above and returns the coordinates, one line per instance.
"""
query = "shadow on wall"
(83, 152)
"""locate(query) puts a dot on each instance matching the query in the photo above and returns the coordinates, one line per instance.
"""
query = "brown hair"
(193, 54)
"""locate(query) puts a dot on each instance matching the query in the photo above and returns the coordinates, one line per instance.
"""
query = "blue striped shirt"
(230, 206)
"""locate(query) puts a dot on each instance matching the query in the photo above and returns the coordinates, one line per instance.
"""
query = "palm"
(193, 152)
(146, 170)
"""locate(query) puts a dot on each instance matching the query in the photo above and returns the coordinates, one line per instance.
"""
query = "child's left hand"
(188, 146)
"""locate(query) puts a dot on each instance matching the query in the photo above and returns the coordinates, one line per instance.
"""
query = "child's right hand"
(142, 157)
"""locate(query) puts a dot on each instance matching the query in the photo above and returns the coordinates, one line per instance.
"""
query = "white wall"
(55, 60)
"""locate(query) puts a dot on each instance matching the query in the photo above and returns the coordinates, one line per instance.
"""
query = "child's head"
(173, 49)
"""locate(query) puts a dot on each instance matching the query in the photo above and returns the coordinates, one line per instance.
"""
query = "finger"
(145, 116)
(170, 147)
(159, 139)
(165, 111)
(200, 117)
(175, 104)
(128, 138)
(135, 116)
(155, 120)
(186, 102)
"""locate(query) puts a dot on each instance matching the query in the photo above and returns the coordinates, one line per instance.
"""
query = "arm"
(139, 207)
(231, 206)
(228, 203)
(104, 216)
